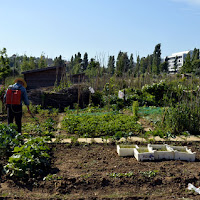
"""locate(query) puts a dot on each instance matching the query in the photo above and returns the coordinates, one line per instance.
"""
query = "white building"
(181, 58)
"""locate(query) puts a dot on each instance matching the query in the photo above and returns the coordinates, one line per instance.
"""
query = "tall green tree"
(131, 65)
(58, 61)
(143, 65)
(77, 64)
(195, 54)
(93, 68)
(187, 66)
(137, 68)
(32, 63)
(5, 70)
(42, 62)
(122, 64)
(85, 61)
(156, 59)
(111, 65)
(164, 66)
(149, 63)
(71, 65)
(25, 63)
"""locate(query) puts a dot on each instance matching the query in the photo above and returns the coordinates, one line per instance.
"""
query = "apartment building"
(180, 60)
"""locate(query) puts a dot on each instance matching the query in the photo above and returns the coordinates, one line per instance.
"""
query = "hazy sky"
(98, 27)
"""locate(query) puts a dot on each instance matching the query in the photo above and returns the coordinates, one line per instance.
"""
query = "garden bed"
(96, 171)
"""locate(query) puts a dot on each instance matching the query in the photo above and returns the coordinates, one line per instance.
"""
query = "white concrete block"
(126, 150)
(143, 154)
(183, 153)
(162, 151)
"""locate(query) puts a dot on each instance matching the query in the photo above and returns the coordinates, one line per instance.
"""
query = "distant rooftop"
(183, 52)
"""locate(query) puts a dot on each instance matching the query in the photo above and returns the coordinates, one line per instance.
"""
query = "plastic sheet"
(192, 187)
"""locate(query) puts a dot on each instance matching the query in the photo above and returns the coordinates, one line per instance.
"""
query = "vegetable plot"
(100, 125)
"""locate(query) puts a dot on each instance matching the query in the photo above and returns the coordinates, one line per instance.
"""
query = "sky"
(101, 28)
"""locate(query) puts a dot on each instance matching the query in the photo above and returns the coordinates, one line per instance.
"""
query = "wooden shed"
(44, 77)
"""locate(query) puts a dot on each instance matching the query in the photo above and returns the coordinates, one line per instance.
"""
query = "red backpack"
(13, 97)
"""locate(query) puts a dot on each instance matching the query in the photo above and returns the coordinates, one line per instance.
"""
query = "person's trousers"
(15, 112)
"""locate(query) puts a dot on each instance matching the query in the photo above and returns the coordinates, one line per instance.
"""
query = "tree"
(187, 66)
(32, 63)
(156, 59)
(131, 64)
(93, 68)
(164, 66)
(111, 65)
(71, 65)
(149, 63)
(77, 64)
(4, 65)
(122, 64)
(85, 61)
(25, 63)
(142, 65)
(42, 62)
(195, 55)
(58, 61)
(196, 65)
(137, 68)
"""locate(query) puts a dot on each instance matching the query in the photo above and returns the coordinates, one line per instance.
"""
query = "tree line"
(123, 64)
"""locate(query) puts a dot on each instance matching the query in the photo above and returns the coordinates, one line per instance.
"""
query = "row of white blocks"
(157, 152)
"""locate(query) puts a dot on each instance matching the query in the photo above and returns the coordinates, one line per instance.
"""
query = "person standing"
(13, 98)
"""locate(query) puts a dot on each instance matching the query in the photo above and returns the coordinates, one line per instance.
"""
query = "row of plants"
(36, 128)
(43, 113)
(107, 124)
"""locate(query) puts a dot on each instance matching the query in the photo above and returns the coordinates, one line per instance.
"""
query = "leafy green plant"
(9, 138)
(135, 109)
(31, 128)
(120, 175)
(30, 159)
(41, 129)
(49, 125)
(149, 174)
(51, 177)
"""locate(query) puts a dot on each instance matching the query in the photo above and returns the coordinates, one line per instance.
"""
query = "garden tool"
(35, 118)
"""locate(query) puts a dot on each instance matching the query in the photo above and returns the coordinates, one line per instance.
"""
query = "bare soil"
(83, 171)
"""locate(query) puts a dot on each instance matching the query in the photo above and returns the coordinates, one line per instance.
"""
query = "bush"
(29, 160)
(183, 117)
(97, 98)
(9, 138)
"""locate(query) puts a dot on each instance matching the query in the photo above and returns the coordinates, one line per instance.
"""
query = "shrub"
(30, 159)
(183, 117)
(97, 98)
(9, 137)
(135, 109)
